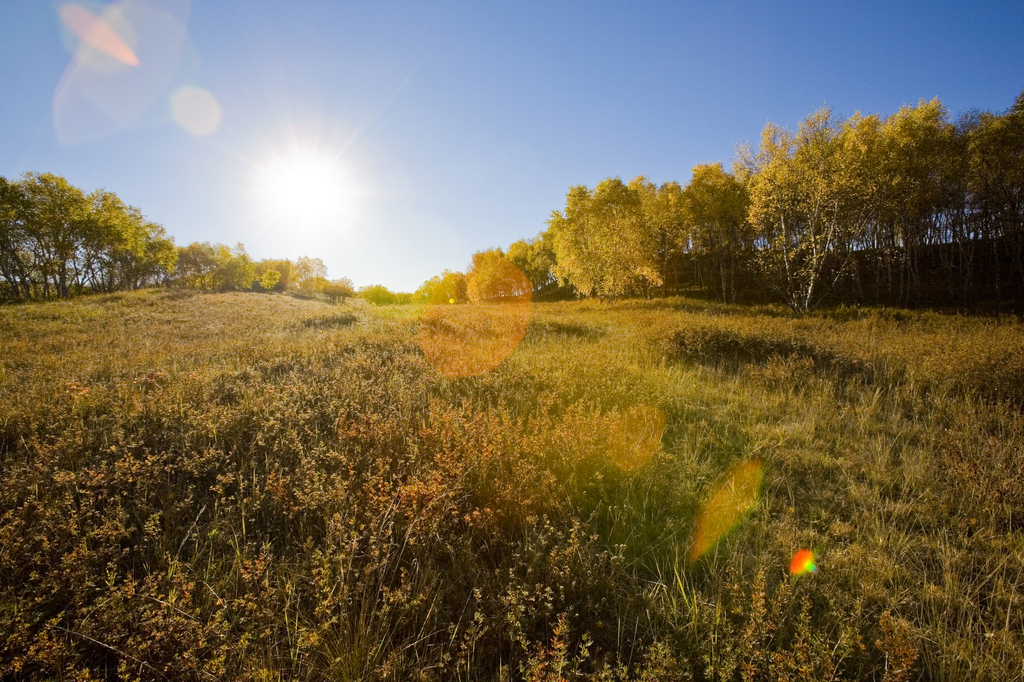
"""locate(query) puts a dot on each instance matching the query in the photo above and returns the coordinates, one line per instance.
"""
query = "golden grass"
(257, 487)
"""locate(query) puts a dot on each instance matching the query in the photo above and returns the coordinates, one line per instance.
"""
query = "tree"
(235, 270)
(269, 279)
(196, 265)
(431, 292)
(282, 266)
(308, 275)
(155, 262)
(57, 222)
(378, 294)
(339, 289)
(122, 249)
(519, 255)
(15, 247)
(493, 277)
(811, 197)
(714, 208)
(916, 160)
(535, 259)
(446, 288)
(57, 239)
(996, 182)
(603, 244)
(663, 212)
(455, 286)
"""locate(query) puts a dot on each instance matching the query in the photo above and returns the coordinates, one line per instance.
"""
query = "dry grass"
(257, 487)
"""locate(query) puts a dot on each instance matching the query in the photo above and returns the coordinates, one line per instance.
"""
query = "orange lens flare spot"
(803, 562)
(634, 436)
(467, 340)
(726, 509)
(97, 33)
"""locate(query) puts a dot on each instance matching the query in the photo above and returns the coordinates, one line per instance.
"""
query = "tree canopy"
(492, 278)
(57, 241)
(603, 244)
(898, 209)
(893, 209)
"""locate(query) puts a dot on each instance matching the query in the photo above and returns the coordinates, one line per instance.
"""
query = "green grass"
(259, 487)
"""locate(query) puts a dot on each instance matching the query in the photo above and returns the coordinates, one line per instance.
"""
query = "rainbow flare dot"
(803, 562)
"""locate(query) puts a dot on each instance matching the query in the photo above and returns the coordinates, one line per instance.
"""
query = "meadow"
(260, 487)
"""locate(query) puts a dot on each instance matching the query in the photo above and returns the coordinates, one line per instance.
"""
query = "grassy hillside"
(258, 487)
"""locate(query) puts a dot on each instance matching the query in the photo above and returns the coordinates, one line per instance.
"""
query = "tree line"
(906, 209)
(217, 267)
(57, 241)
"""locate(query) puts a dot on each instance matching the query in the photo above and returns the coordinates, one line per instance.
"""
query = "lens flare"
(127, 56)
(196, 110)
(467, 340)
(803, 562)
(726, 509)
(95, 32)
(634, 436)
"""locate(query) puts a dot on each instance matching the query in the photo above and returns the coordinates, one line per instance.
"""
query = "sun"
(304, 186)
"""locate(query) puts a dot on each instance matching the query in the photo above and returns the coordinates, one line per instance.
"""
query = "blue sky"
(443, 128)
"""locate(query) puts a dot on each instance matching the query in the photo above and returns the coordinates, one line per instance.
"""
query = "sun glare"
(303, 186)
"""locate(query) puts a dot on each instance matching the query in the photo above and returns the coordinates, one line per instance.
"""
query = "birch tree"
(602, 243)
(811, 196)
(715, 207)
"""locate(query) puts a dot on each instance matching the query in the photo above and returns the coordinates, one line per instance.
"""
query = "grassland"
(243, 486)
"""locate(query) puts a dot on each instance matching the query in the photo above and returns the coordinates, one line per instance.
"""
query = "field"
(246, 486)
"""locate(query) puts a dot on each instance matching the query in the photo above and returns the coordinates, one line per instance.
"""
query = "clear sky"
(394, 139)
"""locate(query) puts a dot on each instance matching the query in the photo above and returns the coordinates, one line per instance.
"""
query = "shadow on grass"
(338, 321)
(539, 330)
